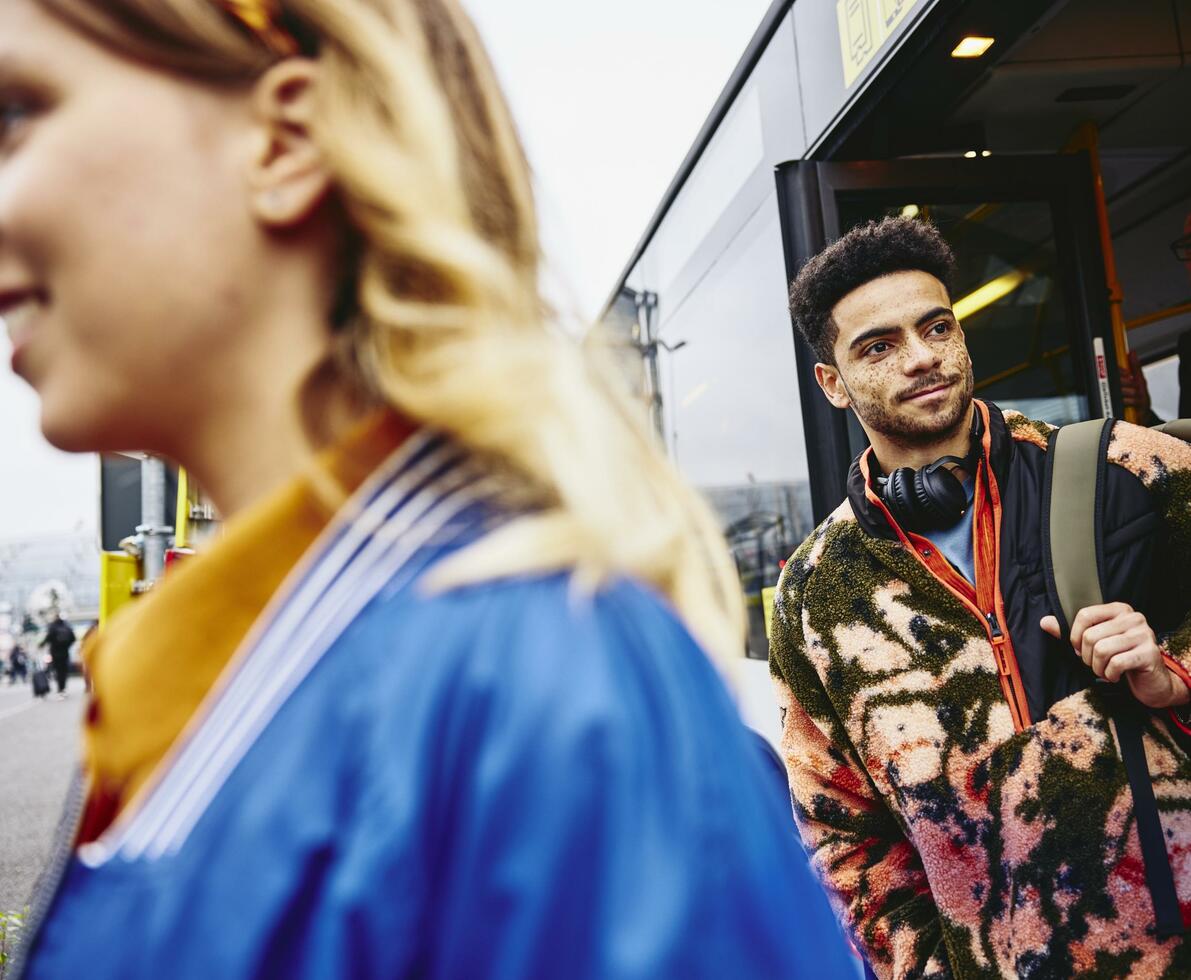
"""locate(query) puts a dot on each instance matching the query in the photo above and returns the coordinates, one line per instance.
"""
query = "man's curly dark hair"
(865, 253)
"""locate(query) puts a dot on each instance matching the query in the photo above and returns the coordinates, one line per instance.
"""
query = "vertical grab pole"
(1087, 137)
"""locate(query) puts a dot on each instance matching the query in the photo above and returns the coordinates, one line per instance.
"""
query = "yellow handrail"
(1166, 314)
(1087, 137)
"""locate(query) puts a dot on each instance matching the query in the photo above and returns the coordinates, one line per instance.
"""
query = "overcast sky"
(609, 98)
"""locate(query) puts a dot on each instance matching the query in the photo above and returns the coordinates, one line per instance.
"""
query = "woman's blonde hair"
(444, 310)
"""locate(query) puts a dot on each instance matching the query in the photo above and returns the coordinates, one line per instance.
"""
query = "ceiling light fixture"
(973, 46)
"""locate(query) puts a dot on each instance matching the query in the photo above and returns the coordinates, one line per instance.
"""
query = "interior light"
(970, 155)
(989, 293)
(986, 153)
(973, 46)
(911, 211)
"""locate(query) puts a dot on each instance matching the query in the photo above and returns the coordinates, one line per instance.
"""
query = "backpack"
(1072, 546)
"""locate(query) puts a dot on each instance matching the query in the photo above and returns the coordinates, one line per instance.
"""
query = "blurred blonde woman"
(431, 706)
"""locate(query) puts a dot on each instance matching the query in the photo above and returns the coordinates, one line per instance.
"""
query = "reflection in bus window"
(732, 414)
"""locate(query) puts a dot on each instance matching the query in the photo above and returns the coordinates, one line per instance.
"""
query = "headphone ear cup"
(924, 500)
(897, 499)
(940, 496)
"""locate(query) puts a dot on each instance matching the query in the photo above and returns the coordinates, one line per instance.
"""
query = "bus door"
(1030, 288)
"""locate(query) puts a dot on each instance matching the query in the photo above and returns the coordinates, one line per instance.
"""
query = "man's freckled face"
(901, 356)
(118, 193)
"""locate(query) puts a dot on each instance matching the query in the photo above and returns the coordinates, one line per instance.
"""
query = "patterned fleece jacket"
(968, 824)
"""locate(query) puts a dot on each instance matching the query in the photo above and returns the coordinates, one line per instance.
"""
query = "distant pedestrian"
(59, 638)
(18, 664)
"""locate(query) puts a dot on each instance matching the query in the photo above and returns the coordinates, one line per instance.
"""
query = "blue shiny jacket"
(502, 781)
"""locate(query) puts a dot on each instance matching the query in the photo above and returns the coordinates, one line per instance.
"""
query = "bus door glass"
(1029, 288)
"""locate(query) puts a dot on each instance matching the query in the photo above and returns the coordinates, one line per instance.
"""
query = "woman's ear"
(288, 178)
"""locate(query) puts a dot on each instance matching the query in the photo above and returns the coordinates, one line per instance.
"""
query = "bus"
(1050, 143)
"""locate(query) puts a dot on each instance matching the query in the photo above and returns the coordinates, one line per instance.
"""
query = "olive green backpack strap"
(1072, 532)
(1073, 560)
(1179, 428)
(1073, 545)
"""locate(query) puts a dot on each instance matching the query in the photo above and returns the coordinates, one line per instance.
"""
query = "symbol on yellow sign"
(865, 25)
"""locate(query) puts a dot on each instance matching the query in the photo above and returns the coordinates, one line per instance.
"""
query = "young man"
(953, 762)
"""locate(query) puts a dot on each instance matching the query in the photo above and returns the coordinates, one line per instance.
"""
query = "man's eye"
(880, 347)
(941, 327)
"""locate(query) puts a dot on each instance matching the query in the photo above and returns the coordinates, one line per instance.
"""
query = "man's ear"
(288, 178)
(833, 385)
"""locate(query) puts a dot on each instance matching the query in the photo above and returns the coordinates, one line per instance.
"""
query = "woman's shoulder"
(525, 676)
(540, 631)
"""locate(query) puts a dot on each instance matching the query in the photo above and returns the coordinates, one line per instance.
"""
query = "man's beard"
(900, 430)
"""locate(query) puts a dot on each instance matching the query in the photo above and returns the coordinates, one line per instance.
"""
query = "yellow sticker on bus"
(864, 25)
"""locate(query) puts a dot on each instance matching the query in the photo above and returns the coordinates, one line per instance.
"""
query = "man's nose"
(920, 356)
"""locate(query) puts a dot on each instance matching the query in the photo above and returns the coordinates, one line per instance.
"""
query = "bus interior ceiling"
(1124, 68)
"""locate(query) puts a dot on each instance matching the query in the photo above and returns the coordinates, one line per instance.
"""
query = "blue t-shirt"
(956, 541)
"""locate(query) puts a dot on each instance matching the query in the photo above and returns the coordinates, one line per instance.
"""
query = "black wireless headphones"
(932, 498)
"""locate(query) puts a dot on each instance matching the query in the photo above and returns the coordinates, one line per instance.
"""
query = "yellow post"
(182, 517)
(767, 597)
(117, 574)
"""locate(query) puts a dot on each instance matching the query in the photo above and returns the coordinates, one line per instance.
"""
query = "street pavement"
(39, 742)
